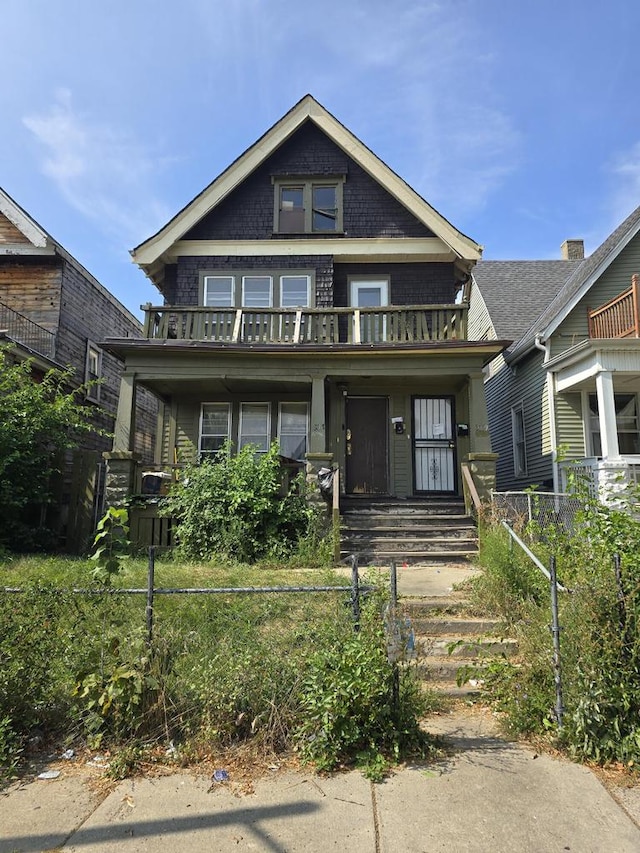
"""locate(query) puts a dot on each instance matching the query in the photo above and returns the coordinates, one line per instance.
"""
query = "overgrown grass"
(600, 643)
(279, 671)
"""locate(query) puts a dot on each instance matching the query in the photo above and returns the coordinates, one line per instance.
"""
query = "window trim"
(517, 412)
(268, 277)
(93, 393)
(203, 289)
(209, 453)
(238, 277)
(307, 183)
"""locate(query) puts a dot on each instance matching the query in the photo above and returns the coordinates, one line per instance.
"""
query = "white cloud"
(625, 169)
(100, 170)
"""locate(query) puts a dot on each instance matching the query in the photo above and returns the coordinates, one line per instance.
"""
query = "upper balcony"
(22, 330)
(619, 317)
(407, 324)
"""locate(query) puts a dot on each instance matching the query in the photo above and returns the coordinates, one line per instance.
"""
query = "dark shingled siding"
(409, 284)
(369, 210)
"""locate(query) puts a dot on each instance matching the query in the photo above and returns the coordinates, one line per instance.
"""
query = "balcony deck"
(619, 317)
(357, 326)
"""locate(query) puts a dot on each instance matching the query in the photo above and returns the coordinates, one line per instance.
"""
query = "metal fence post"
(394, 616)
(150, 591)
(555, 631)
(355, 592)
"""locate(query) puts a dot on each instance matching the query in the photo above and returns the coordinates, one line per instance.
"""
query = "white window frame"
(281, 280)
(356, 285)
(201, 435)
(268, 277)
(517, 417)
(241, 441)
(285, 403)
(93, 393)
(207, 278)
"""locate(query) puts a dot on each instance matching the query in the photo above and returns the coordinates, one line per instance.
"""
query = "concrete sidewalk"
(489, 795)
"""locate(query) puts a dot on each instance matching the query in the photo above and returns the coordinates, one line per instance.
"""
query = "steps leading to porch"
(411, 532)
(449, 640)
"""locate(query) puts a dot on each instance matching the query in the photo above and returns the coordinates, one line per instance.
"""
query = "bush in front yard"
(232, 506)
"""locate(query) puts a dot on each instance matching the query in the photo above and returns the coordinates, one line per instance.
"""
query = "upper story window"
(308, 206)
(256, 290)
(93, 370)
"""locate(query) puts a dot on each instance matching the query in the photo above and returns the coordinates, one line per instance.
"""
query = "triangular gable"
(23, 227)
(308, 109)
(579, 284)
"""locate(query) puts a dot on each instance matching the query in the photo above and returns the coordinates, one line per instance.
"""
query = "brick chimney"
(572, 250)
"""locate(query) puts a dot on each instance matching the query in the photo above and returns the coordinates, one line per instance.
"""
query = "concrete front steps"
(411, 532)
(448, 639)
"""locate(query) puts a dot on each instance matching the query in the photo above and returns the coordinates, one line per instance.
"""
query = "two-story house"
(53, 311)
(564, 396)
(312, 297)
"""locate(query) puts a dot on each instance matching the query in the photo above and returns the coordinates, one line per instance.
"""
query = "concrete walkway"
(488, 795)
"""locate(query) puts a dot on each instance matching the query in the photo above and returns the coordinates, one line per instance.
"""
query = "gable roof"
(148, 253)
(578, 284)
(40, 242)
(517, 292)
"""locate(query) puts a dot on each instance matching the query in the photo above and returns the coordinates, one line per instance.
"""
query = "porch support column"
(607, 416)
(481, 461)
(124, 430)
(317, 457)
(318, 438)
(480, 441)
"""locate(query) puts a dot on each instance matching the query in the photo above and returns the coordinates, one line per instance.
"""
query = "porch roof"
(575, 369)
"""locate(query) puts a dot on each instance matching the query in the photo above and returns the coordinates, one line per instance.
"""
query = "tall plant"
(234, 506)
(40, 418)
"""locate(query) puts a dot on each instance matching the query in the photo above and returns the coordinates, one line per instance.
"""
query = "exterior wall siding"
(479, 325)
(32, 289)
(409, 284)
(369, 210)
(504, 391)
(569, 425)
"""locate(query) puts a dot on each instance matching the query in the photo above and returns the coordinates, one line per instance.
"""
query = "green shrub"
(232, 506)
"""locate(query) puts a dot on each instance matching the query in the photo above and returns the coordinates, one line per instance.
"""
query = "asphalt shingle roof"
(517, 292)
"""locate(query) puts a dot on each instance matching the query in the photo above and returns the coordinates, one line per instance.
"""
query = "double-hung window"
(219, 291)
(93, 371)
(293, 427)
(255, 425)
(308, 206)
(214, 427)
(519, 440)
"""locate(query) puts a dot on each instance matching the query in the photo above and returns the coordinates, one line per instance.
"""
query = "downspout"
(551, 401)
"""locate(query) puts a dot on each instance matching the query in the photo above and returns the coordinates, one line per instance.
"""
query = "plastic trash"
(220, 776)
(68, 754)
(325, 482)
(49, 774)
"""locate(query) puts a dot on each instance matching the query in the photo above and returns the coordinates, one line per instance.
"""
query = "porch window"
(519, 441)
(255, 425)
(214, 427)
(626, 423)
(294, 291)
(292, 430)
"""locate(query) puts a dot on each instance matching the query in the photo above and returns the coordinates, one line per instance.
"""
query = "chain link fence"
(541, 508)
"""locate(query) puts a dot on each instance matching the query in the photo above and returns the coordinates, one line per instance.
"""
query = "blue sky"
(518, 121)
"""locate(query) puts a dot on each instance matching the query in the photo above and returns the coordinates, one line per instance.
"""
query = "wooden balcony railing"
(367, 326)
(619, 317)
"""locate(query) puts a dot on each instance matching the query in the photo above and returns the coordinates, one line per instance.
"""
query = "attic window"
(307, 206)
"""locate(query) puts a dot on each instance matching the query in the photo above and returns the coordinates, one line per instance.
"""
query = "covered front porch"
(397, 422)
(601, 376)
